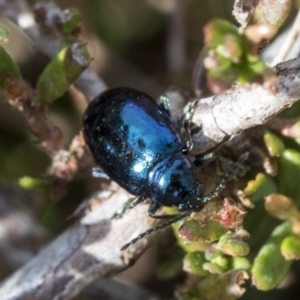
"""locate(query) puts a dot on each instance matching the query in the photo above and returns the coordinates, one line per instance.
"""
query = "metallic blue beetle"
(136, 144)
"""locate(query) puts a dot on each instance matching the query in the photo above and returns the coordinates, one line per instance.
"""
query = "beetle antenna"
(156, 228)
(232, 171)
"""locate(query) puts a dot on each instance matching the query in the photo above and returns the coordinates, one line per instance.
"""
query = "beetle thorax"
(173, 181)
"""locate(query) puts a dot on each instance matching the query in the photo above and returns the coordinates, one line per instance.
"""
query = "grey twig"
(89, 250)
(223, 116)
(288, 42)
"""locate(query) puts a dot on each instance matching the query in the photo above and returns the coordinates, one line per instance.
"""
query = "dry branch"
(223, 116)
(87, 251)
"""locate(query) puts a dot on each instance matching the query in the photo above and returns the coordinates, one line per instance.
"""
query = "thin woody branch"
(223, 116)
(87, 251)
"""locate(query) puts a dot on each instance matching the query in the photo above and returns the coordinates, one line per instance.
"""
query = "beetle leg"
(99, 173)
(164, 216)
(137, 201)
(172, 220)
(186, 127)
(128, 204)
(204, 160)
(154, 207)
(165, 104)
(120, 212)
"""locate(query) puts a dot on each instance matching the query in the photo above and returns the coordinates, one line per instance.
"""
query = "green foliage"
(62, 71)
(234, 244)
(239, 263)
(223, 253)
(74, 18)
(216, 287)
(209, 232)
(229, 56)
(289, 168)
(290, 247)
(260, 187)
(273, 143)
(8, 69)
(269, 266)
(31, 183)
(194, 262)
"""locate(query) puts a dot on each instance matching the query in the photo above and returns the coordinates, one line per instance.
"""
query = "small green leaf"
(216, 30)
(228, 57)
(281, 207)
(220, 260)
(256, 66)
(72, 18)
(290, 247)
(233, 243)
(4, 34)
(8, 69)
(270, 267)
(62, 71)
(227, 286)
(192, 231)
(260, 187)
(273, 143)
(240, 263)
(289, 170)
(214, 268)
(230, 48)
(30, 183)
(193, 263)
